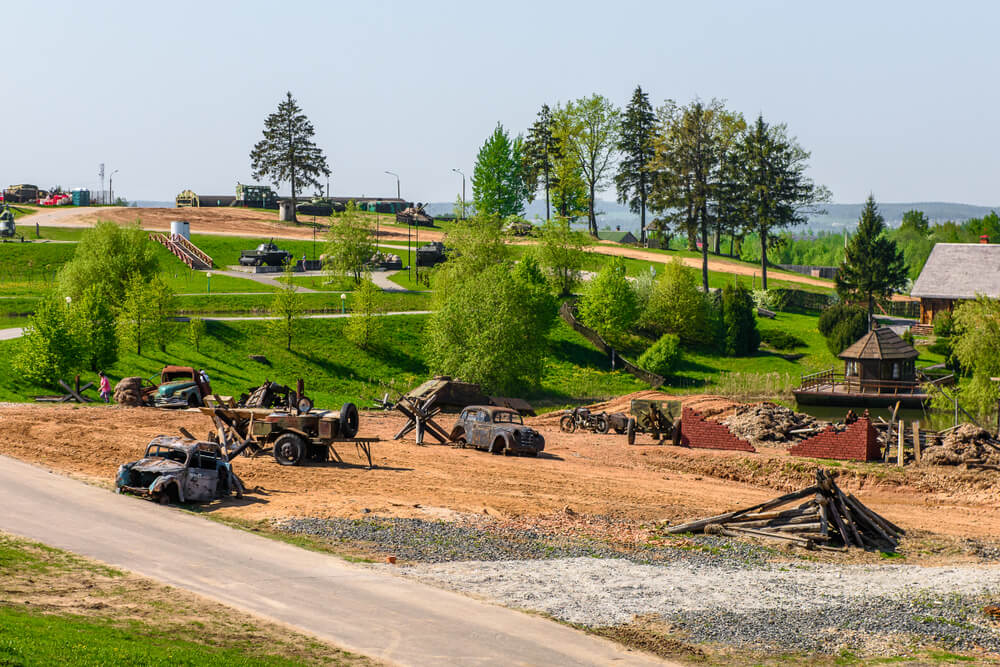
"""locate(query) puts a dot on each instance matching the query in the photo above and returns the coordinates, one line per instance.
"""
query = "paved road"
(12, 333)
(359, 608)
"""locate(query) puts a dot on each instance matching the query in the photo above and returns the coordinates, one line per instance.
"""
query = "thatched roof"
(881, 343)
(960, 271)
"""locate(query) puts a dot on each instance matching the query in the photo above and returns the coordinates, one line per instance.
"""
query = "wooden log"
(766, 523)
(186, 433)
(845, 515)
(699, 524)
(884, 523)
(863, 515)
(824, 519)
(796, 527)
(916, 442)
(743, 532)
(902, 436)
(776, 514)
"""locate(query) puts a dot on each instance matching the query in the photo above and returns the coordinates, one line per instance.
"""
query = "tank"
(415, 215)
(322, 206)
(266, 253)
(431, 254)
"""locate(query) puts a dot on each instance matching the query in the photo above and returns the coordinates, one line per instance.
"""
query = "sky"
(897, 99)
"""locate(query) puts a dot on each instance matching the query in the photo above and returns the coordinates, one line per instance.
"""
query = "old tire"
(289, 449)
(601, 424)
(567, 425)
(128, 392)
(498, 446)
(630, 430)
(675, 436)
(349, 420)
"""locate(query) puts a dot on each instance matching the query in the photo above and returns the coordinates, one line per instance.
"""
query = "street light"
(459, 171)
(69, 300)
(209, 276)
(343, 303)
(397, 183)
(111, 187)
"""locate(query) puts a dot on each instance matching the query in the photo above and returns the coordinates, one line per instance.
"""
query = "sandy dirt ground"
(241, 222)
(590, 474)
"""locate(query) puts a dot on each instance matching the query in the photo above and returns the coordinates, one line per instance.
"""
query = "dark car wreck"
(496, 430)
(180, 470)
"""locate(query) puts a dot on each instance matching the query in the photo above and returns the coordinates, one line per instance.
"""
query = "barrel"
(181, 228)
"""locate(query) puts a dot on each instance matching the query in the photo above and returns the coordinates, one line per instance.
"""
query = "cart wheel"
(601, 424)
(348, 420)
(567, 425)
(675, 437)
(289, 449)
(630, 430)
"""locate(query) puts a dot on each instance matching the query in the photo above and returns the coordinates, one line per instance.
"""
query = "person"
(205, 381)
(105, 387)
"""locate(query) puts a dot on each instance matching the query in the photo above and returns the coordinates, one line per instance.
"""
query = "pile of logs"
(828, 519)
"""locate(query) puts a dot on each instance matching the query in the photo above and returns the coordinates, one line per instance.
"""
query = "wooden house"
(955, 272)
(618, 236)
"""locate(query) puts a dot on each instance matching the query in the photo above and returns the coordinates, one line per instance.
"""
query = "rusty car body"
(180, 387)
(176, 469)
(496, 430)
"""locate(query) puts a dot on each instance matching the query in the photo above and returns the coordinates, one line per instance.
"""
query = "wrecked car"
(180, 470)
(180, 387)
(496, 430)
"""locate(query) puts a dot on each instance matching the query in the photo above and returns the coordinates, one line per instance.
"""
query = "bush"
(739, 321)
(677, 306)
(908, 337)
(769, 299)
(941, 346)
(662, 356)
(944, 324)
(781, 340)
(841, 325)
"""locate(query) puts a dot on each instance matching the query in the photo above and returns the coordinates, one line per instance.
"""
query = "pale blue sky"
(898, 98)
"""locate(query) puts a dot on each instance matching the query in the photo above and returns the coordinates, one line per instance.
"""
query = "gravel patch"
(802, 606)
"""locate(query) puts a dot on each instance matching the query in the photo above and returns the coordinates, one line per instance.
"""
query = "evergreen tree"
(587, 130)
(873, 266)
(287, 152)
(541, 150)
(498, 184)
(740, 334)
(774, 191)
(636, 143)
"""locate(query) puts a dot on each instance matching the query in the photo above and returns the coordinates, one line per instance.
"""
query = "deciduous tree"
(498, 184)
(364, 326)
(587, 130)
(350, 243)
(110, 257)
(48, 349)
(609, 305)
(135, 314)
(91, 320)
(287, 308)
(677, 306)
(561, 253)
(287, 153)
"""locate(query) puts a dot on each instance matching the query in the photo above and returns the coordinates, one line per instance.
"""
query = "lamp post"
(343, 303)
(111, 187)
(459, 171)
(397, 183)
(209, 276)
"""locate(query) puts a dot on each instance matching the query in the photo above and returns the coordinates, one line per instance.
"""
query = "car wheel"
(567, 425)
(675, 437)
(498, 447)
(601, 424)
(460, 441)
(193, 401)
(348, 420)
(630, 430)
(163, 498)
(289, 449)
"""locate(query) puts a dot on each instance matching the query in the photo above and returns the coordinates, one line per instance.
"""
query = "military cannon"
(415, 215)
(266, 253)
(658, 418)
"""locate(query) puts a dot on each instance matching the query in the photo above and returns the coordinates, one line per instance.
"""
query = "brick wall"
(858, 442)
(696, 431)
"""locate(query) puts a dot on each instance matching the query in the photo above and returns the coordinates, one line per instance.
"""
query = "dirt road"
(360, 609)
(242, 222)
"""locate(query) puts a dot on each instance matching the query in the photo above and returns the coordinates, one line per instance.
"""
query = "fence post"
(916, 442)
(902, 436)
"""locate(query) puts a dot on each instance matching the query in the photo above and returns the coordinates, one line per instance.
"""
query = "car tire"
(460, 441)
(498, 447)
(349, 420)
(289, 449)
(601, 424)
(567, 424)
(630, 430)
(193, 401)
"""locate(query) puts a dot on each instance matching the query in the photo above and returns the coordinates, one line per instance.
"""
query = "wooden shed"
(878, 358)
(955, 272)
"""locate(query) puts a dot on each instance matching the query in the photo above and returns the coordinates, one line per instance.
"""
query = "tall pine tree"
(541, 150)
(873, 265)
(287, 152)
(636, 143)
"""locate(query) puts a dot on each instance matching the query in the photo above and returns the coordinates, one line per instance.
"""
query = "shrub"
(662, 356)
(769, 299)
(781, 340)
(944, 324)
(908, 337)
(842, 324)
(739, 321)
(941, 346)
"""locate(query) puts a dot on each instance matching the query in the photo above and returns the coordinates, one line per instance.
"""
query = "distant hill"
(837, 216)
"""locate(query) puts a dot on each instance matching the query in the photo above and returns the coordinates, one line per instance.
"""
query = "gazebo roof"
(881, 343)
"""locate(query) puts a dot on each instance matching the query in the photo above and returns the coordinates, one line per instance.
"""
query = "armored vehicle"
(322, 206)
(431, 254)
(182, 470)
(496, 430)
(385, 261)
(266, 253)
(415, 215)
(7, 227)
(520, 228)
(658, 418)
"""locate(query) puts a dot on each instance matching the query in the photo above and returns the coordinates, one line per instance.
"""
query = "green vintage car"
(180, 387)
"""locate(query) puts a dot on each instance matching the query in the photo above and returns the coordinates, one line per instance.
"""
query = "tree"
(587, 130)
(873, 265)
(287, 152)
(350, 243)
(287, 308)
(91, 321)
(976, 346)
(915, 221)
(48, 349)
(774, 190)
(662, 356)
(498, 184)
(740, 335)
(541, 150)
(135, 321)
(842, 324)
(609, 305)
(637, 146)
(162, 303)
(677, 306)
(561, 254)
(196, 332)
(110, 257)
(569, 191)
(364, 326)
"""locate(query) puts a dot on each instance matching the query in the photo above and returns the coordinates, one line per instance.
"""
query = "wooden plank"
(847, 517)
(916, 442)
(902, 436)
(862, 514)
(699, 524)
(744, 532)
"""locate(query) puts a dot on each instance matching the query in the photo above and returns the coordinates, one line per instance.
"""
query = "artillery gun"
(415, 215)
(266, 253)
(658, 418)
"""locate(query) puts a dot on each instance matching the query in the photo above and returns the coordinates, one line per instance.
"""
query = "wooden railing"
(852, 384)
(195, 258)
(193, 249)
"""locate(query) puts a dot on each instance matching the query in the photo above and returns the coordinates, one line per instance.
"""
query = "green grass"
(322, 302)
(407, 279)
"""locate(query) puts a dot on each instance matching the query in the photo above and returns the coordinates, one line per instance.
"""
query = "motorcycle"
(583, 419)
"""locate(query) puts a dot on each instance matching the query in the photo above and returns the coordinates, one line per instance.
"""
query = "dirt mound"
(966, 444)
(706, 404)
(769, 423)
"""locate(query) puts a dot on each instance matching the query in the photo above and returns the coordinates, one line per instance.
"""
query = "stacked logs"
(828, 519)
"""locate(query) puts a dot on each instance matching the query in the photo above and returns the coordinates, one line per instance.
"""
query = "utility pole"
(397, 183)
(111, 189)
(101, 172)
(459, 171)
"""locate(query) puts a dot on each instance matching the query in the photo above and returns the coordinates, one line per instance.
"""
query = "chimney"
(984, 238)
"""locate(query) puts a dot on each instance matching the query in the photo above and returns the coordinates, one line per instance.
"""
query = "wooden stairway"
(184, 250)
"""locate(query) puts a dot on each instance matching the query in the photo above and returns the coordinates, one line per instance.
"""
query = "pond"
(936, 420)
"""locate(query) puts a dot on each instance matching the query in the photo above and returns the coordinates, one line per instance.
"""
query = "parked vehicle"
(584, 419)
(266, 253)
(496, 430)
(180, 387)
(179, 470)
(658, 418)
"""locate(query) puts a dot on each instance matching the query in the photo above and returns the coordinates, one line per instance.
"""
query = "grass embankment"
(61, 609)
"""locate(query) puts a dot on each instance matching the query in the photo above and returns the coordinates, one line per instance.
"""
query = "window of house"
(895, 370)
